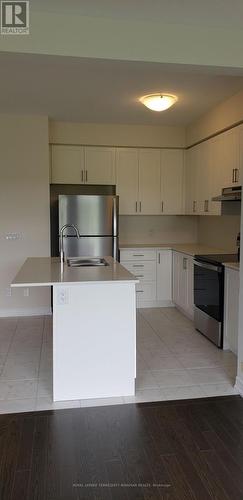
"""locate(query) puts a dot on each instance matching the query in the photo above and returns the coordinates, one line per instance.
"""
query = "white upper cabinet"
(210, 166)
(127, 180)
(67, 165)
(83, 165)
(229, 157)
(172, 181)
(191, 173)
(214, 146)
(99, 165)
(149, 181)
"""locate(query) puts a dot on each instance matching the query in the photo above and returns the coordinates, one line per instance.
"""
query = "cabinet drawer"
(145, 291)
(137, 255)
(143, 270)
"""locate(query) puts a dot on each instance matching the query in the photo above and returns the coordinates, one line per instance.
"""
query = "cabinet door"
(231, 312)
(179, 280)
(175, 277)
(164, 275)
(149, 182)
(214, 146)
(229, 157)
(67, 165)
(99, 165)
(183, 282)
(239, 174)
(127, 180)
(203, 179)
(190, 181)
(190, 287)
(172, 178)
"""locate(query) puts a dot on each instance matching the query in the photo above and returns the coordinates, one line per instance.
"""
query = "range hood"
(229, 194)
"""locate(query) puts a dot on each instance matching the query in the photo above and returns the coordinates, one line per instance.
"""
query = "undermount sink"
(87, 262)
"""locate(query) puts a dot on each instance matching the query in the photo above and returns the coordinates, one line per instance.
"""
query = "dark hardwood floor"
(178, 450)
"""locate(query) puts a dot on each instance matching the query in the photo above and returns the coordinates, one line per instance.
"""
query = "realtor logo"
(14, 17)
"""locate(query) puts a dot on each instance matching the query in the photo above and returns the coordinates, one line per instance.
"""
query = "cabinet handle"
(185, 263)
(138, 265)
(138, 255)
(82, 176)
(136, 206)
(237, 175)
(139, 291)
(140, 206)
(86, 175)
(159, 258)
(206, 204)
(233, 175)
(139, 275)
(162, 206)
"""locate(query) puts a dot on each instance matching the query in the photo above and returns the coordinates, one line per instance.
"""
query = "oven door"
(209, 289)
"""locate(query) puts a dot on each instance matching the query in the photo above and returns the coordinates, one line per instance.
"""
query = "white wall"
(158, 229)
(219, 231)
(225, 114)
(24, 206)
(116, 135)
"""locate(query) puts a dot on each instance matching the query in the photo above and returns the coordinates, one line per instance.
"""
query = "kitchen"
(167, 215)
(121, 288)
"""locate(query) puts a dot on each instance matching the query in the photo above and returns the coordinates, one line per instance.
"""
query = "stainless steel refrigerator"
(96, 218)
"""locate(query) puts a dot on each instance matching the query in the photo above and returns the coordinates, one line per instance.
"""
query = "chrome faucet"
(62, 256)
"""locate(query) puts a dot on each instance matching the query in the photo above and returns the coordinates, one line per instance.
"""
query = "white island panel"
(94, 340)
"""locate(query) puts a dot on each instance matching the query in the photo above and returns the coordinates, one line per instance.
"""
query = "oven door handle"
(218, 269)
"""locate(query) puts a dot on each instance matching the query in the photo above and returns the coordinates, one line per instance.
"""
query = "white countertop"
(232, 265)
(46, 271)
(187, 248)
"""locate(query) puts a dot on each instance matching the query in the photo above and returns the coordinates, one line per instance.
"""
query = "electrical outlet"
(62, 296)
(26, 292)
(8, 292)
(13, 236)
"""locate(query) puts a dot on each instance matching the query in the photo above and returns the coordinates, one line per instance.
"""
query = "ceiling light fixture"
(158, 102)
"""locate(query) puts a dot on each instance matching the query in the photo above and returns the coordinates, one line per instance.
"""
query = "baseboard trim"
(239, 386)
(185, 313)
(37, 311)
(154, 303)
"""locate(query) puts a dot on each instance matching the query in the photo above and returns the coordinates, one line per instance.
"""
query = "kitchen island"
(94, 326)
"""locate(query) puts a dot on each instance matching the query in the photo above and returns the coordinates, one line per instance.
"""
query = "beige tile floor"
(173, 362)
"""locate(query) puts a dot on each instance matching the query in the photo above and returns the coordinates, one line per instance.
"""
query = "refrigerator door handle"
(115, 248)
(115, 217)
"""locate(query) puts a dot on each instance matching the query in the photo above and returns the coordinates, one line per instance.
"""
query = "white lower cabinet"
(231, 309)
(164, 276)
(153, 268)
(183, 277)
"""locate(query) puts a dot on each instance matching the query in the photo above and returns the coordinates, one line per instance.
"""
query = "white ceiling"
(102, 91)
(224, 13)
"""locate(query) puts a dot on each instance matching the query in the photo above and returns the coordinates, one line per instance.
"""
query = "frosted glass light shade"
(158, 102)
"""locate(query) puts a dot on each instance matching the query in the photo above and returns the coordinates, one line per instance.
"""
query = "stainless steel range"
(209, 294)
